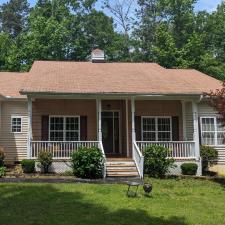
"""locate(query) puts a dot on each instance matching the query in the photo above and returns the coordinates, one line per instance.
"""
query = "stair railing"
(138, 159)
(100, 145)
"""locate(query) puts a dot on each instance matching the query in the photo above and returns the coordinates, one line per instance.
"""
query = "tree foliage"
(168, 32)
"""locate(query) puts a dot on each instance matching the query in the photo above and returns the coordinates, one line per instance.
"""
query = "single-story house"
(119, 107)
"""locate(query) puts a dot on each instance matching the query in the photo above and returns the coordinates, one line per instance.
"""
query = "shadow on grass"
(45, 204)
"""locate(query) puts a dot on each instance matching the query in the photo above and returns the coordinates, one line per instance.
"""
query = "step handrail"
(138, 159)
(104, 158)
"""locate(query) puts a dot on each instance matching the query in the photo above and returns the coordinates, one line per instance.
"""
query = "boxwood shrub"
(28, 165)
(209, 157)
(45, 159)
(189, 168)
(156, 163)
(87, 163)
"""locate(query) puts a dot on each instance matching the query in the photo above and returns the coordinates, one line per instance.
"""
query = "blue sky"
(208, 5)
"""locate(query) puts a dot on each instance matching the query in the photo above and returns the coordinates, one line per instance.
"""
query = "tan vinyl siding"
(205, 110)
(15, 144)
(65, 107)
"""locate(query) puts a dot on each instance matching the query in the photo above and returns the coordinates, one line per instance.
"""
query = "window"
(156, 129)
(16, 124)
(212, 131)
(64, 128)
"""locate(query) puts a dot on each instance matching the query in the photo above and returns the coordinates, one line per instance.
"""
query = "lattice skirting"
(58, 166)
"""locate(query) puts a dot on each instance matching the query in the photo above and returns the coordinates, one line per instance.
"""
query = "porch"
(119, 127)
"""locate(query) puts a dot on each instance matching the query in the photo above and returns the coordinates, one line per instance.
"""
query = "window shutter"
(138, 127)
(199, 131)
(83, 128)
(175, 128)
(44, 128)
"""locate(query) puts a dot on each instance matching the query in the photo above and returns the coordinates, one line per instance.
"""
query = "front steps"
(121, 167)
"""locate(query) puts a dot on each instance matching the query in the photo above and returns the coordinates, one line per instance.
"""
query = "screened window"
(212, 131)
(66, 128)
(16, 124)
(156, 129)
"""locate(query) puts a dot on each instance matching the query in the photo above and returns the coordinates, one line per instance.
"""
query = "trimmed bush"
(87, 163)
(2, 171)
(45, 159)
(156, 163)
(2, 156)
(209, 157)
(28, 165)
(189, 168)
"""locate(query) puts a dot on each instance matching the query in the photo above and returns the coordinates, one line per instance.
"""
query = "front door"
(111, 132)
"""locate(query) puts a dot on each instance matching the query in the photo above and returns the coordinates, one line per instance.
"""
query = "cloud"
(208, 5)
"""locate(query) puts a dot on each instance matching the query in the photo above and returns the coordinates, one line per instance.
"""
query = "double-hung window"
(16, 124)
(156, 128)
(212, 131)
(64, 128)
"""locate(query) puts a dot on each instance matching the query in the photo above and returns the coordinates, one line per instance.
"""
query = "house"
(119, 107)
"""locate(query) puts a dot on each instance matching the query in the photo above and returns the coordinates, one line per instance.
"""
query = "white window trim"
(156, 126)
(215, 129)
(11, 128)
(64, 125)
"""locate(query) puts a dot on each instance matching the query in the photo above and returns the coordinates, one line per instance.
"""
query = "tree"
(13, 16)
(121, 11)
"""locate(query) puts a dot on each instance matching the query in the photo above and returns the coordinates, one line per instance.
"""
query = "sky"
(209, 5)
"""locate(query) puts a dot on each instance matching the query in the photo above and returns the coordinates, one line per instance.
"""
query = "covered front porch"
(120, 127)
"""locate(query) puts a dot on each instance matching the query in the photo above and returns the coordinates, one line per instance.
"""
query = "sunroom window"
(64, 128)
(156, 129)
(212, 131)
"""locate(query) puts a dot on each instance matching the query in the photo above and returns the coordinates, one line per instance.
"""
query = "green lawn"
(173, 202)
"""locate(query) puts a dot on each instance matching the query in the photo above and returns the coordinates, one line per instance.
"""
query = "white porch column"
(196, 137)
(133, 120)
(99, 115)
(183, 103)
(29, 135)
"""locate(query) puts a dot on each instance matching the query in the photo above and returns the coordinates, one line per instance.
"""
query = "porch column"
(133, 120)
(99, 116)
(183, 103)
(29, 135)
(196, 137)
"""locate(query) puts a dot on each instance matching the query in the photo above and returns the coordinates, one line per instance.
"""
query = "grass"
(173, 202)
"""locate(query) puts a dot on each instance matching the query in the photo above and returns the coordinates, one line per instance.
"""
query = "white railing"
(138, 159)
(177, 149)
(59, 149)
(100, 146)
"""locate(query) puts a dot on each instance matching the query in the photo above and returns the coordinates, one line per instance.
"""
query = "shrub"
(156, 163)
(2, 171)
(2, 157)
(209, 156)
(28, 165)
(87, 163)
(45, 159)
(189, 168)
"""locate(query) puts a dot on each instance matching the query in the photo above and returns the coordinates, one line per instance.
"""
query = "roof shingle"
(142, 78)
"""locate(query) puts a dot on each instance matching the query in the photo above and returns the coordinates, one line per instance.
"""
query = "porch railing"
(178, 149)
(100, 146)
(59, 149)
(138, 159)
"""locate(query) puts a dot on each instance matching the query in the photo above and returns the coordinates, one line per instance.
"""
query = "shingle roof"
(11, 84)
(139, 78)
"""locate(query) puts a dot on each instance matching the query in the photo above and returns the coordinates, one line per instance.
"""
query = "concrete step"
(118, 159)
(122, 174)
(120, 163)
(121, 169)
